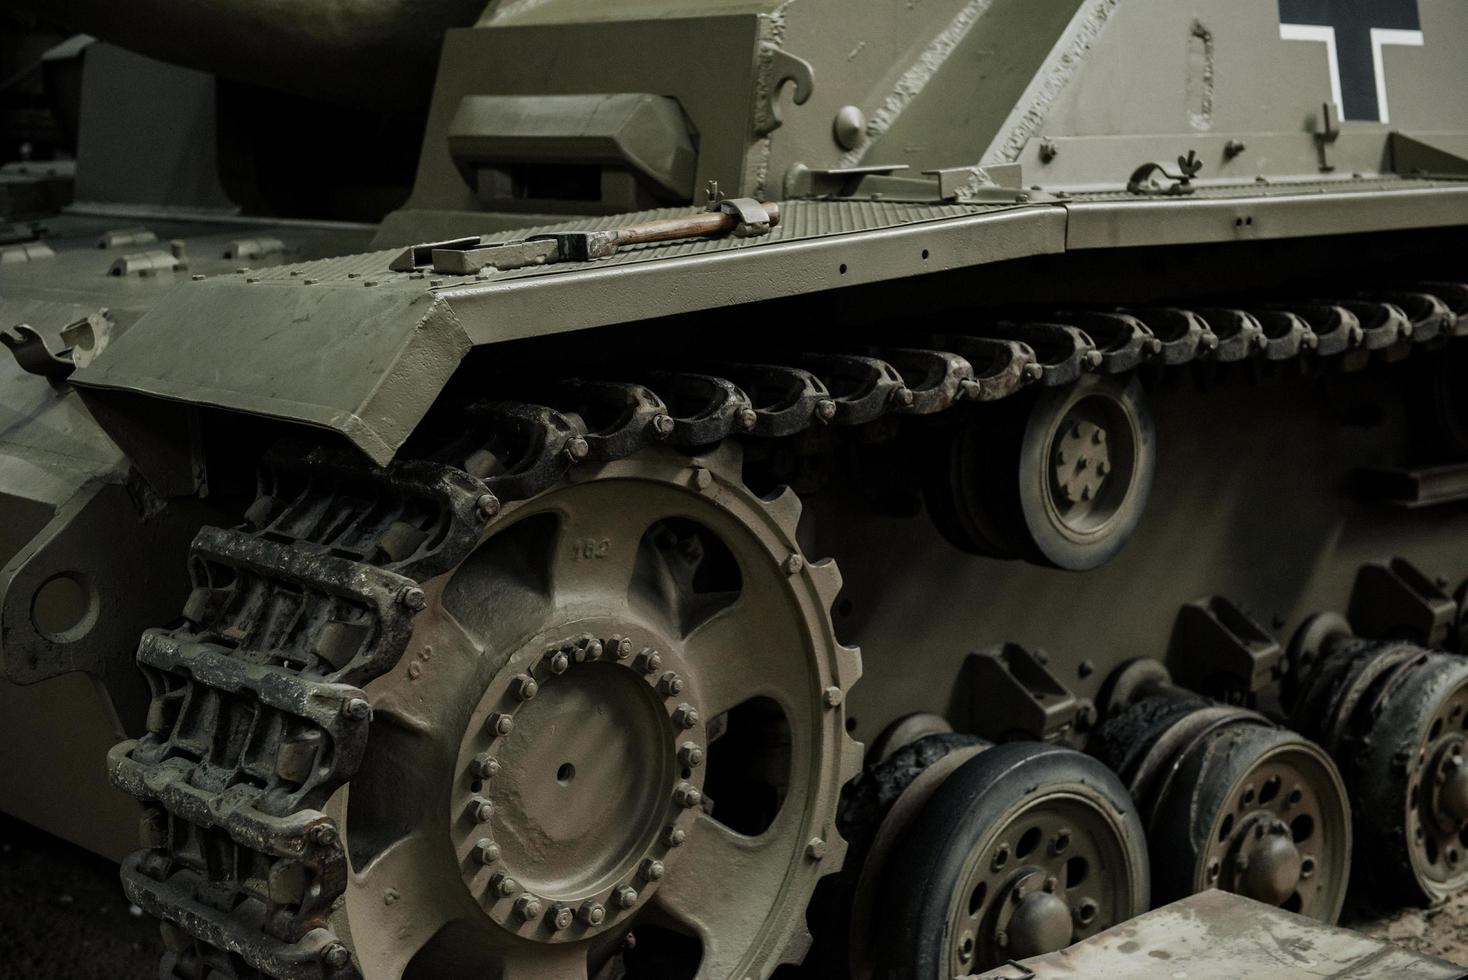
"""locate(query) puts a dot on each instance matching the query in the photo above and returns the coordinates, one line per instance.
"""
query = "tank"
(741, 490)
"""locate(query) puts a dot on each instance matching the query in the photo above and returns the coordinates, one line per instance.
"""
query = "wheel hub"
(1082, 461)
(578, 776)
(1042, 920)
(1270, 867)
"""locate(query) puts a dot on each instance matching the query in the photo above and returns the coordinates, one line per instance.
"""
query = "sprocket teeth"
(827, 578)
(786, 508)
(848, 666)
(796, 949)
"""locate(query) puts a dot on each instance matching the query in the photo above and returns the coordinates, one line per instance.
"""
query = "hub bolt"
(504, 885)
(357, 709)
(832, 697)
(528, 907)
(653, 869)
(482, 809)
(649, 661)
(625, 897)
(561, 917)
(690, 755)
(816, 849)
(336, 956)
(622, 649)
(489, 505)
(322, 835)
(501, 724)
(674, 836)
(685, 716)
(524, 687)
(413, 597)
(487, 852)
(793, 564)
(1061, 843)
(670, 685)
(687, 796)
(560, 662)
(485, 766)
(592, 913)
(591, 649)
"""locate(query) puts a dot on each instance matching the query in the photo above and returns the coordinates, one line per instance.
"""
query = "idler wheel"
(1024, 849)
(1063, 483)
(1395, 716)
(1231, 801)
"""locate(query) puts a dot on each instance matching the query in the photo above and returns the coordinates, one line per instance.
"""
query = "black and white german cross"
(1354, 32)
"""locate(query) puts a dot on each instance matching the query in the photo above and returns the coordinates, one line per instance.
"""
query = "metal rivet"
(674, 837)
(652, 869)
(481, 809)
(501, 724)
(357, 708)
(413, 598)
(592, 913)
(504, 884)
(485, 766)
(670, 684)
(488, 505)
(816, 849)
(625, 897)
(690, 754)
(524, 687)
(685, 716)
(849, 127)
(687, 796)
(561, 917)
(486, 852)
(528, 907)
(832, 697)
(793, 564)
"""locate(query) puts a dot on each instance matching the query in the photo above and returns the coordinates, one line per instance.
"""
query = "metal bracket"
(1019, 695)
(1144, 178)
(754, 220)
(34, 356)
(1219, 651)
(1394, 600)
(787, 68)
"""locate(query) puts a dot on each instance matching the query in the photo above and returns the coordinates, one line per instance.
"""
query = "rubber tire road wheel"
(927, 864)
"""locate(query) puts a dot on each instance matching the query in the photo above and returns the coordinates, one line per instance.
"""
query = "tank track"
(258, 712)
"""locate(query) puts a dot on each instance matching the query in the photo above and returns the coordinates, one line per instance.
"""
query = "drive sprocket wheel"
(620, 723)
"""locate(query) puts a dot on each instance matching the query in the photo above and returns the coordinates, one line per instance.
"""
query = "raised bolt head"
(577, 448)
(662, 425)
(825, 409)
(687, 796)
(747, 418)
(488, 505)
(525, 687)
(413, 597)
(336, 956)
(650, 661)
(528, 907)
(481, 809)
(486, 852)
(793, 564)
(625, 897)
(592, 650)
(561, 917)
(485, 766)
(670, 684)
(592, 913)
(622, 649)
(674, 837)
(1061, 842)
(690, 755)
(701, 478)
(831, 697)
(560, 662)
(652, 869)
(357, 709)
(323, 834)
(685, 716)
(504, 885)
(815, 849)
(501, 724)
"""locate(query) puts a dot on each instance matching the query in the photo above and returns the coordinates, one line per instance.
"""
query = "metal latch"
(84, 340)
(1145, 180)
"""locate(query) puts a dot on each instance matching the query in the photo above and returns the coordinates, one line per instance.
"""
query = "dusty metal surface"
(1216, 934)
